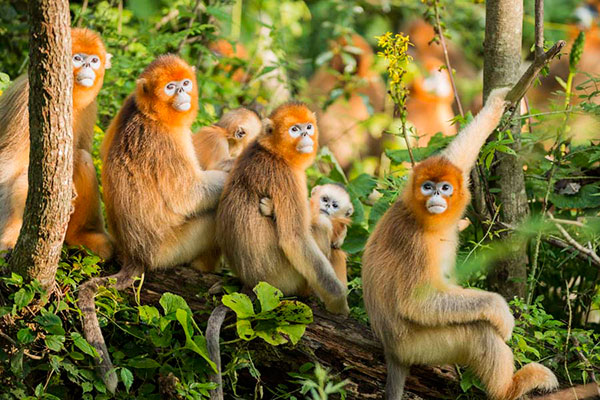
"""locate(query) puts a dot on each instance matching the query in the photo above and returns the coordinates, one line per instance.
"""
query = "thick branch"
(521, 87)
(539, 28)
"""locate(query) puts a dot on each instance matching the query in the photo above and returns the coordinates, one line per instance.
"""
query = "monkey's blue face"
(437, 192)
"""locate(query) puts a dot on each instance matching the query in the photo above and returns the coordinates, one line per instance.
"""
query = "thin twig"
(195, 12)
(589, 252)
(539, 28)
(584, 359)
(410, 153)
(440, 32)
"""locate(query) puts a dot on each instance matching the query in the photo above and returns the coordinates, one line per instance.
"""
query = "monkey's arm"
(206, 191)
(464, 149)
(302, 251)
(432, 307)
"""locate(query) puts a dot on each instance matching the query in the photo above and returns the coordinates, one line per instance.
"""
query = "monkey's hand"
(338, 306)
(500, 316)
(266, 207)
(225, 165)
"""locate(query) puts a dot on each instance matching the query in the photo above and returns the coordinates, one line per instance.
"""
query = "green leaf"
(240, 304)
(23, 297)
(83, 345)
(126, 378)
(54, 342)
(171, 303)
(143, 363)
(148, 314)
(268, 296)
(337, 173)
(362, 185)
(293, 332)
(244, 329)
(356, 239)
(50, 322)
(295, 311)
(193, 345)
(25, 335)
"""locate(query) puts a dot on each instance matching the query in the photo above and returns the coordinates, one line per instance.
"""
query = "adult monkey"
(160, 204)
(420, 316)
(86, 225)
(282, 252)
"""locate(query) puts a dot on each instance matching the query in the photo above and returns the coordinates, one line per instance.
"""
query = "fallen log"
(345, 346)
(341, 344)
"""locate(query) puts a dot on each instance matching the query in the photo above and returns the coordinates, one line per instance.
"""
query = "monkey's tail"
(532, 376)
(396, 377)
(91, 327)
(213, 331)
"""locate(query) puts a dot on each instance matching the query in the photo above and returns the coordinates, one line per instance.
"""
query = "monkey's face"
(292, 129)
(437, 187)
(331, 200)
(90, 60)
(168, 90)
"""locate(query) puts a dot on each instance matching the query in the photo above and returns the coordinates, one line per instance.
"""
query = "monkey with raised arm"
(160, 204)
(419, 314)
(86, 224)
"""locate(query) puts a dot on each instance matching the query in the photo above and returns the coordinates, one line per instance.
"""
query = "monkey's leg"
(492, 360)
(396, 376)
(91, 327)
(86, 225)
(16, 194)
(189, 241)
(208, 261)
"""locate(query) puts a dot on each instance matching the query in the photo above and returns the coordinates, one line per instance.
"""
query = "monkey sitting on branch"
(86, 225)
(418, 313)
(330, 212)
(160, 204)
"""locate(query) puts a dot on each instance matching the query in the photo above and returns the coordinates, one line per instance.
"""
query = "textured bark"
(345, 346)
(48, 205)
(502, 61)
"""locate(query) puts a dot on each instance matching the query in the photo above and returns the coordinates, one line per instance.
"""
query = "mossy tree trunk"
(502, 62)
(48, 205)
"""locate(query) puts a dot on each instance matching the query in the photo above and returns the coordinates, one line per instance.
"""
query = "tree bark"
(502, 61)
(48, 205)
(341, 344)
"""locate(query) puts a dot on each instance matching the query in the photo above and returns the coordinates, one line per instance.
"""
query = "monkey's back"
(145, 174)
(249, 240)
(393, 265)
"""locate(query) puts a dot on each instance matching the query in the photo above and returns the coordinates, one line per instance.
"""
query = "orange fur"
(279, 142)
(154, 102)
(223, 48)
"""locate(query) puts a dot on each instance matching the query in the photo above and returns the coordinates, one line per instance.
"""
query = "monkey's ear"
(350, 212)
(267, 126)
(143, 83)
(193, 69)
(107, 63)
(314, 189)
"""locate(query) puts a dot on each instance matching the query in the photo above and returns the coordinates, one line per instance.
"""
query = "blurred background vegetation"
(262, 53)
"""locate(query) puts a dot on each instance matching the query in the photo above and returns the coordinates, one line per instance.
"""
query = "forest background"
(543, 257)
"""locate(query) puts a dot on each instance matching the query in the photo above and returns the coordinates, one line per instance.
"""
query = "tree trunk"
(341, 344)
(48, 205)
(502, 61)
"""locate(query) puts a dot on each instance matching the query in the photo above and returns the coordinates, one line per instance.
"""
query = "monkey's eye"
(325, 199)
(309, 129)
(334, 204)
(77, 60)
(95, 62)
(170, 88)
(427, 188)
(187, 85)
(294, 131)
(446, 188)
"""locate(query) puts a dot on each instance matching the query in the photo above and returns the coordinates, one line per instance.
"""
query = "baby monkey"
(217, 146)
(330, 212)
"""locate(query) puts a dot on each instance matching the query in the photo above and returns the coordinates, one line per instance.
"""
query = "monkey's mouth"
(436, 209)
(305, 149)
(184, 106)
(324, 211)
(436, 205)
(85, 77)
